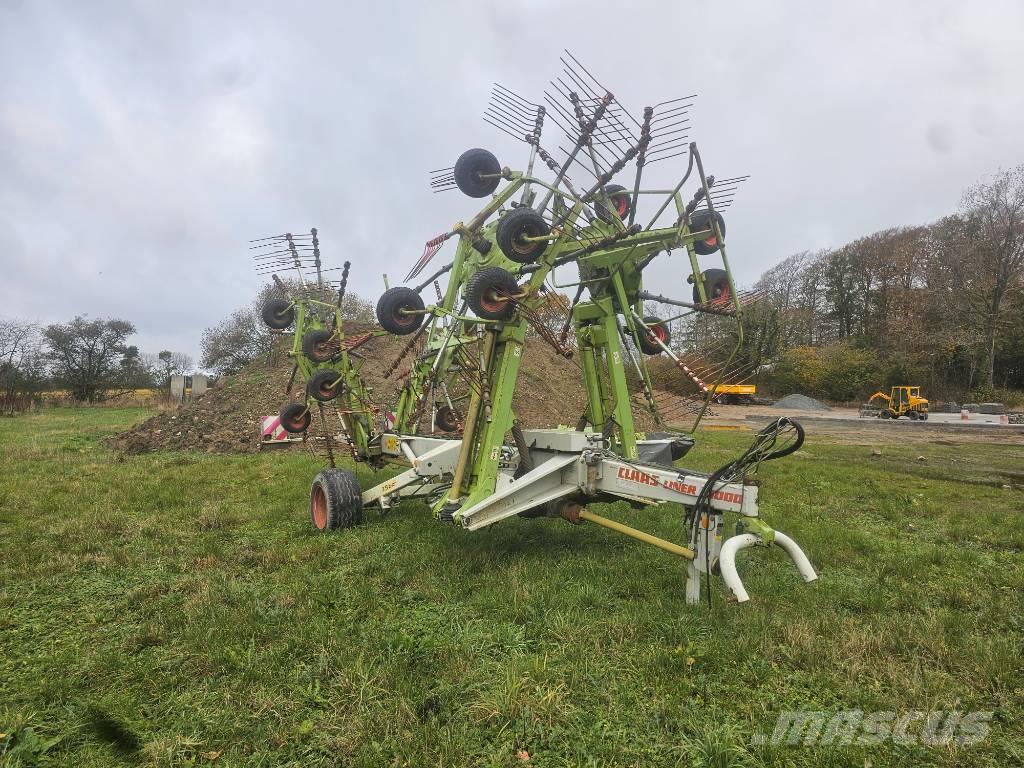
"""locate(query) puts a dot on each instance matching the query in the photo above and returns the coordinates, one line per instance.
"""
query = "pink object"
(964, 415)
(1004, 419)
(272, 429)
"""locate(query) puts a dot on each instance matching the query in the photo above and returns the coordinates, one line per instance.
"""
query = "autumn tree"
(994, 211)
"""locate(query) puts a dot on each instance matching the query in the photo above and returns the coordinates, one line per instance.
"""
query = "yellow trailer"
(735, 393)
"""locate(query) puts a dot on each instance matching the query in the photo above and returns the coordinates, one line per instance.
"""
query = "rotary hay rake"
(504, 271)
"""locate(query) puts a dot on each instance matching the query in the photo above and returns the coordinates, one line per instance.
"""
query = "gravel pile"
(801, 403)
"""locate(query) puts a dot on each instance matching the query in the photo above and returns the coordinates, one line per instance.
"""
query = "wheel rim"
(327, 391)
(401, 318)
(621, 206)
(491, 301)
(318, 507)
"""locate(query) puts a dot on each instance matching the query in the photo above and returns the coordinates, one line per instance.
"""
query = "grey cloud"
(143, 144)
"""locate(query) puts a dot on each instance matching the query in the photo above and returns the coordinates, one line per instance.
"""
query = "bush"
(837, 372)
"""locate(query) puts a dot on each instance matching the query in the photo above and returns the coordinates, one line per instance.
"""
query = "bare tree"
(19, 368)
(995, 214)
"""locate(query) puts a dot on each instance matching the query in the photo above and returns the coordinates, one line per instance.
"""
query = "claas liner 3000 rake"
(504, 271)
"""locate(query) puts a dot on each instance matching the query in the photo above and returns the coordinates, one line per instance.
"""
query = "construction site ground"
(847, 426)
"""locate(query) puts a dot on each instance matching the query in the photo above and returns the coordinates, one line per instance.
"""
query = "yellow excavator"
(902, 401)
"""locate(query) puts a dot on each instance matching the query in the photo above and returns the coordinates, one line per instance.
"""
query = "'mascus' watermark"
(854, 726)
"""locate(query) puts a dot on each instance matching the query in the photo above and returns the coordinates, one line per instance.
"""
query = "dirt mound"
(801, 403)
(227, 418)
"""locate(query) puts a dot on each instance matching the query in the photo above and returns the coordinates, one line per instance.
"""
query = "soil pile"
(801, 403)
(227, 418)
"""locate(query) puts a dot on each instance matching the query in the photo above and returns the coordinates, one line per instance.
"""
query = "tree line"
(938, 305)
(90, 359)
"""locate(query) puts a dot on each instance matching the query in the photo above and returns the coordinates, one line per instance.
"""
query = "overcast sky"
(142, 144)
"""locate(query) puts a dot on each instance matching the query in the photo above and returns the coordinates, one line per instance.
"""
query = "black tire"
(468, 168)
(335, 500)
(519, 223)
(486, 291)
(295, 418)
(278, 314)
(325, 385)
(446, 419)
(914, 415)
(885, 414)
(620, 200)
(716, 286)
(392, 307)
(317, 347)
(647, 343)
(700, 221)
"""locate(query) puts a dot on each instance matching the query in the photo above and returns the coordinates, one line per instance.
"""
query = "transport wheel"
(469, 169)
(317, 346)
(519, 223)
(278, 314)
(295, 418)
(487, 292)
(446, 419)
(894, 415)
(700, 221)
(658, 331)
(716, 286)
(885, 414)
(335, 500)
(913, 416)
(620, 200)
(325, 385)
(393, 308)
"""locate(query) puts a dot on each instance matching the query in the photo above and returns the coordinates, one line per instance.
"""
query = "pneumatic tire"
(316, 345)
(399, 311)
(658, 330)
(701, 221)
(323, 386)
(487, 293)
(519, 223)
(295, 418)
(716, 286)
(446, 419)
(471, 167)
(335, 500)
(278, 314)
(621, 204)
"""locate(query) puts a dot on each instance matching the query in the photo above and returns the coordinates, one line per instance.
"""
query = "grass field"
(178, 609)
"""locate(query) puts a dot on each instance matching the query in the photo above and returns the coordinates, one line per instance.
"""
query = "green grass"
(178, 609)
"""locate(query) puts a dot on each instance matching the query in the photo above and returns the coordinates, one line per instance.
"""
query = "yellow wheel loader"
(902, 401)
